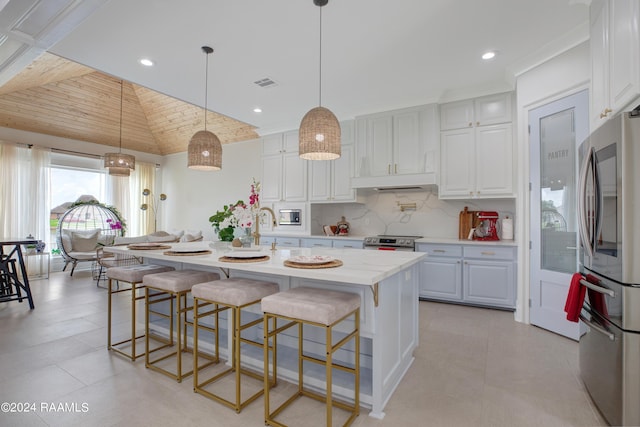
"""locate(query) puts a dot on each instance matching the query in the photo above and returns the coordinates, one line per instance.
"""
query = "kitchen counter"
(387, 283)
(359, 269)
(311, 236)
(452, 241)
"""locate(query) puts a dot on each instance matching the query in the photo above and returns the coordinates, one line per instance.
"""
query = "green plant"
(224, 230)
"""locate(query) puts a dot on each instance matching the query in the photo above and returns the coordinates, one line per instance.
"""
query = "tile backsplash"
(381, 214)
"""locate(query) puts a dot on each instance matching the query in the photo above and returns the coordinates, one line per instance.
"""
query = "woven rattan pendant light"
(319, 134)
(120, 164)
(205, 149)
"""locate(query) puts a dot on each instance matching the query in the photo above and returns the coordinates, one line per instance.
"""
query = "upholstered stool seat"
(230, 294)
(322, 308)
(133, 275)
(172, 286)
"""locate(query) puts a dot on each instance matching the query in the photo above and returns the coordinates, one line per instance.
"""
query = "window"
(73, 177)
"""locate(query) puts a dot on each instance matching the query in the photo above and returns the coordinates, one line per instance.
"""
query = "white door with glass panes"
(556, 131)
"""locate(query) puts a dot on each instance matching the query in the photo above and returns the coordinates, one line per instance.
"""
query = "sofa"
(81, 245)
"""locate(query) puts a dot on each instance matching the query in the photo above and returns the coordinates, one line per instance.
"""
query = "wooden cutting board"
(466, 223)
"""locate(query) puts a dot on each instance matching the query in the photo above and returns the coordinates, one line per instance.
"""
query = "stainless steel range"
(391, 243)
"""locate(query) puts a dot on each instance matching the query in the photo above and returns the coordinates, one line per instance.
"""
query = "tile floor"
(474, 367)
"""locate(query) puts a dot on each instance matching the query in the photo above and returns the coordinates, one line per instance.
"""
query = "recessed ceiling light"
(146, 62)
(257, 110)
(488, 55)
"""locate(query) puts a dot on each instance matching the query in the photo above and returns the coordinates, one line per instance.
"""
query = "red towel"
(596, 299)
(575, 298)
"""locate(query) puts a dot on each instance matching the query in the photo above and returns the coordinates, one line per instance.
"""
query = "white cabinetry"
(476, 148)
(469, 274)
(330, 181)
(396, 144)
(288, 242)
(315, 243)
(284, 173)
(441, 272)
(347, 244)
(615, 57)
(489, 276)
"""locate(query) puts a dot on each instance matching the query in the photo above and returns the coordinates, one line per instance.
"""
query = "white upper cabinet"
(330, 181)
(487, 110)
(284, 173)
(615, 57)
(476, 148)
(395, 144)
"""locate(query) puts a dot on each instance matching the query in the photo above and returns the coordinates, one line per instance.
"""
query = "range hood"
(420, 181)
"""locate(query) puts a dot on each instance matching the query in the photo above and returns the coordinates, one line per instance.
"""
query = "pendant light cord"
(121, 103)
(206, 89)
(320, 65)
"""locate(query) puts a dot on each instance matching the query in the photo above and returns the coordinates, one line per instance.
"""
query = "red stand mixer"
(486, 226)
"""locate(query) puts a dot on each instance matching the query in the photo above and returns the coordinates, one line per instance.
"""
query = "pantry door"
(556, 130)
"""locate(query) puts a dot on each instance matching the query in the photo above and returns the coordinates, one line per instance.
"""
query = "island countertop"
(359, 266)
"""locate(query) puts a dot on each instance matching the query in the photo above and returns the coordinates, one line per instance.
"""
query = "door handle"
(595, 327)
(582, 208)
(597, 288)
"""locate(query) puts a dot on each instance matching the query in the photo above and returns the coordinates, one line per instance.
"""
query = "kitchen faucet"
(256, 234)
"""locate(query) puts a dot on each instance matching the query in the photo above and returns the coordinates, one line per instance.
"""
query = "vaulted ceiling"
(57, 97)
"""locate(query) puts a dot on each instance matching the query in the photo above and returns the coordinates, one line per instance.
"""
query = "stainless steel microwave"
(290, 217)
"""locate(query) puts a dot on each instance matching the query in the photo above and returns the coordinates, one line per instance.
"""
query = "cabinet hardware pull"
(477, 123)
(488, 253)
(389, 169)
(470, 124)
(605, 113)
(439, 251)
(395, 168)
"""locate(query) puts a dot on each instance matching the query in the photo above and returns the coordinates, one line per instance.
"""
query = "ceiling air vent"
(266, 82)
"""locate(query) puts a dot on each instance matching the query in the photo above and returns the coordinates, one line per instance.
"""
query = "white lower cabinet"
(347, 244)
(287, 242)
(315, 243)
(469, 274)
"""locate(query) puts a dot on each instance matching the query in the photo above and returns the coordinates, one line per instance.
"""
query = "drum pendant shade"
(319, 133)
(205, 149)
(120, 164)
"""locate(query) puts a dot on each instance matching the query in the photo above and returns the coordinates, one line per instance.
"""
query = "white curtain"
(118, 195)
(24, 192)
(143, 222)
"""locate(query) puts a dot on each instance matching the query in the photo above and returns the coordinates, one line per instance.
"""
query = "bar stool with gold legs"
(234, 295)
(172, 286)
(322, 308)
(133, 275)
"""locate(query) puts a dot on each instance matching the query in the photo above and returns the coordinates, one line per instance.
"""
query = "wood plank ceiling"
(57, 97)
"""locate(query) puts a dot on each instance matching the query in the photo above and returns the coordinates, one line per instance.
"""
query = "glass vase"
(246, 238)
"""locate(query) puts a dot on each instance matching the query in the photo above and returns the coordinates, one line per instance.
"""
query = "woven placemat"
(330, 264)
(241, 260)
(174, 253)
(134, 247)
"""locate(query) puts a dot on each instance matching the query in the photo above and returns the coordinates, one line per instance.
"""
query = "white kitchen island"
(387, 283)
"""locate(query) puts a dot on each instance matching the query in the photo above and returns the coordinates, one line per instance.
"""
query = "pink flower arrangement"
(115, 225)
(254, 195)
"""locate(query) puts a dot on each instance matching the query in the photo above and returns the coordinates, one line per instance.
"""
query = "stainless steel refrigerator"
(609, 225)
